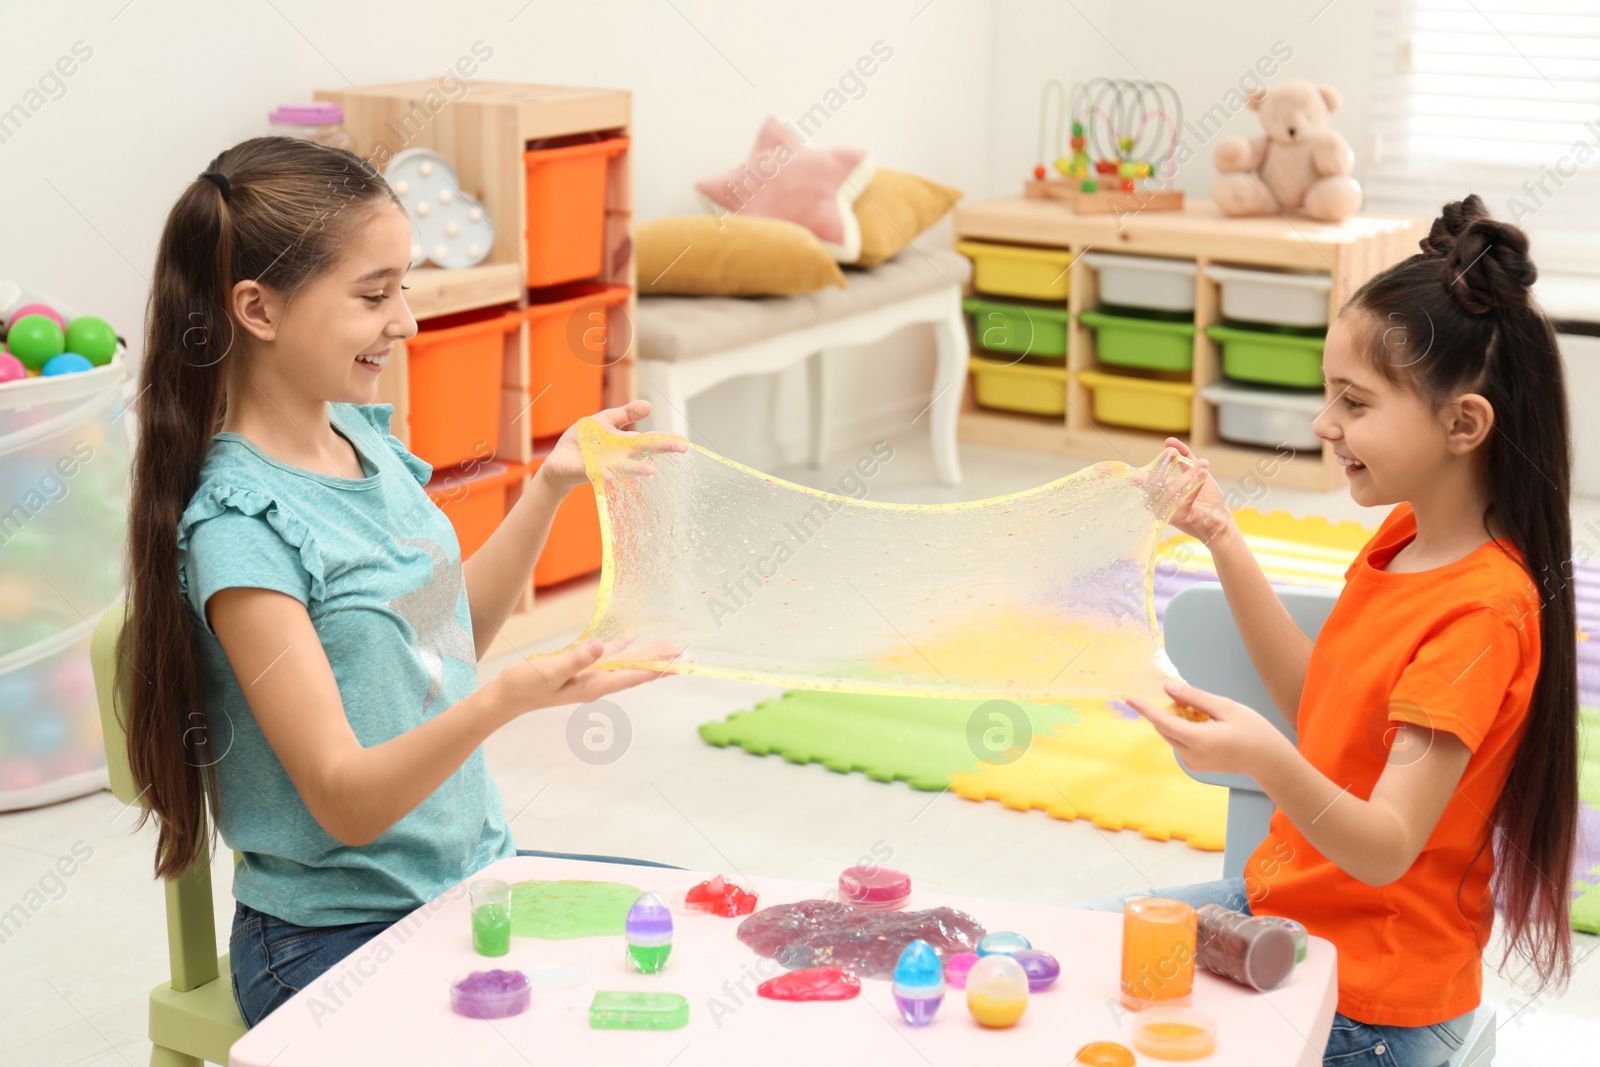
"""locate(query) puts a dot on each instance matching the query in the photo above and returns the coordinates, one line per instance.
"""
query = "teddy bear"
(1300, 164)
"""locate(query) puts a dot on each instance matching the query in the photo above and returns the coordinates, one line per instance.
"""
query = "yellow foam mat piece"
(1115, 772)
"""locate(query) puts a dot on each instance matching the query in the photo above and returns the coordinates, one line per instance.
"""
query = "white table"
(389, 1002)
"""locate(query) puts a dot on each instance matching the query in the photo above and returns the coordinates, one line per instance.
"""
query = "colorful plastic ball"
(65, 363)
(1125, 143)
(92, 337)
(1078, 144)
(19, 694)
(40, 309)
(35, 340)
(1003, 943)
(44, 732)
(1127, 185)
(1141, 169)
(1077, 130)
(1039, 172)
(1126, 168)
(956, 968)
(1104, 1054)
(1063, 164)
(1040, 967)
(16, 597)
(997, 991)
(11, 368)
(1089, 186)
(19, 774)
(1105, 166)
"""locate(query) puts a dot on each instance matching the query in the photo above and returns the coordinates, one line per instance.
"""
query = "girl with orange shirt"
(1436, 768)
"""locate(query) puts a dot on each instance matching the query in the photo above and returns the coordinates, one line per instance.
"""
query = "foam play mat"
(1046, 595)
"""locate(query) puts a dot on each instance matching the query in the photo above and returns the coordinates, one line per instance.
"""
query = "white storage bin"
(1283, 298)
(1269, 417)
(1144, 281)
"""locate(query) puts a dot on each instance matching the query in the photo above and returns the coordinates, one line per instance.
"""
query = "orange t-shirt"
(1456, 649)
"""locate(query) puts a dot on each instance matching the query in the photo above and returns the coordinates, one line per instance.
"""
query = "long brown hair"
(277, 214)
(1468, 294)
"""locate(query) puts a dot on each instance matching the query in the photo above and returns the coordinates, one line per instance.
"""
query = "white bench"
(687, 344)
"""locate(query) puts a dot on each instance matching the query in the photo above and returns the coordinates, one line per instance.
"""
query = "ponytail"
(268, 219)
(1469, 293)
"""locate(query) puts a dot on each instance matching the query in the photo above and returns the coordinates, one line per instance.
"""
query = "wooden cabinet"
(1350, 253)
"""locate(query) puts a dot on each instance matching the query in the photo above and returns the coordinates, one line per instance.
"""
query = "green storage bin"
(1018, 329)
(1147, 341)
(1273, 357)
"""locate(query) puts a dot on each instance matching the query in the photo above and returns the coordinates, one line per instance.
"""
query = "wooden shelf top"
(540, 110)
(1198, 231)
(435, 291)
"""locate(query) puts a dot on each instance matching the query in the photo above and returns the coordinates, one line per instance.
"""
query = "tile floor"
(73, 978)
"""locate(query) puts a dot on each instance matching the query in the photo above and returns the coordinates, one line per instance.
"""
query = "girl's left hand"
(563, 467)
(1236, 740)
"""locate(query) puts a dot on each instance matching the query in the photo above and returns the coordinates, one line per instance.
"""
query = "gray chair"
(1206, 647)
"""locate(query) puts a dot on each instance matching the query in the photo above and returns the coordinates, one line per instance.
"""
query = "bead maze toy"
(1118, 127)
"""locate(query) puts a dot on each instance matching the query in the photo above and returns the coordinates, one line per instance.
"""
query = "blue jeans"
(1350, 1043)
(272, 960)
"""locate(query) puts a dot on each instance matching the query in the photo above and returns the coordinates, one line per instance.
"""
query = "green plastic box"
(1018, 329)
(616, 1010)
(1273, 357)
(1152, 342)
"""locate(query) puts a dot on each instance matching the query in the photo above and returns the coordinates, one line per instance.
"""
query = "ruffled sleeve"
(377, 417)
(233, 536)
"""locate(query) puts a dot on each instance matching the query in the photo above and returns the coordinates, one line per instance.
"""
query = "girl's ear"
(1468, 420)
(258, 309)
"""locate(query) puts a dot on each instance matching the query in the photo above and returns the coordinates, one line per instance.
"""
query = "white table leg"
(669, 406)
(949, 380)
(817, 384)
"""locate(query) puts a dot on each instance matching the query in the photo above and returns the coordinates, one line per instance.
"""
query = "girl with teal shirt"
(303, 636)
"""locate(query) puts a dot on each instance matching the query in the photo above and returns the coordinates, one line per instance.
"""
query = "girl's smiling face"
(1391, 441)
(330, 341)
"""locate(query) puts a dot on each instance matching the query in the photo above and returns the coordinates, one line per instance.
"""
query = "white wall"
(89, 176)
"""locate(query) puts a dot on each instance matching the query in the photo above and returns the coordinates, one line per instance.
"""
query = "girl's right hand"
(567, 677)
(1203, 514)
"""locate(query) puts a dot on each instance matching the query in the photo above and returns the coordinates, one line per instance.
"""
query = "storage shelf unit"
(484, 134)
(1350, 252)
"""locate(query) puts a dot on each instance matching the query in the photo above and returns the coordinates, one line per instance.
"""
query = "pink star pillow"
(784, 179)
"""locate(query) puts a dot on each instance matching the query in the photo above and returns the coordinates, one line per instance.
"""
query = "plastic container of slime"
(874, 888)
(1250, 951)
(493, 994)
(1174, 1033)
(613, 1010)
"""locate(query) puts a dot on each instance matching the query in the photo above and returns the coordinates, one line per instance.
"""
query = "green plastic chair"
(193, 1018)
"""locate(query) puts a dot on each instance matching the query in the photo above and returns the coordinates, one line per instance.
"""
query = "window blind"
(1496, 98)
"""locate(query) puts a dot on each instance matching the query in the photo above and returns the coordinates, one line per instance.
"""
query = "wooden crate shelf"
(484, 134)
(1350, 253)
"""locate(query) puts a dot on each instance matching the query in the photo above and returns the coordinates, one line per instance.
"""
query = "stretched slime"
(826, 933)
(715, 568)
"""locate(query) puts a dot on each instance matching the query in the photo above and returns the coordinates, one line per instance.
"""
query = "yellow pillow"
(894, 208)
(702, 255)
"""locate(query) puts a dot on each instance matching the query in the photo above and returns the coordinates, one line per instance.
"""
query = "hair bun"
(1486, 265)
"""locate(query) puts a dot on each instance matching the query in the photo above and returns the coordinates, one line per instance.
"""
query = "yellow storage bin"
(1029, 387)
(1142, 403)
(1012, 270)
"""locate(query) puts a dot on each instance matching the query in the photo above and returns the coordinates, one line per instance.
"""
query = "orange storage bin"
(569, 341)
(566, 190)
(573, 547)
(456, 366)
(474, 498)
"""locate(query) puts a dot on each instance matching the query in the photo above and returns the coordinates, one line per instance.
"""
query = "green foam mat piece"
(916, 740)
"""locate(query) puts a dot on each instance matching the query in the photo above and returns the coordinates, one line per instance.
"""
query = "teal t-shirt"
(379, 569)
